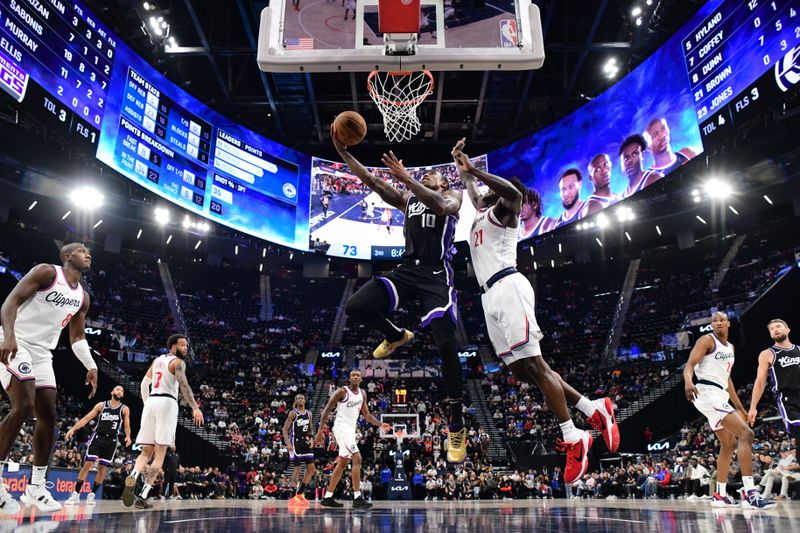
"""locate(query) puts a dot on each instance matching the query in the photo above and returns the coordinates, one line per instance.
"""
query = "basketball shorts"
(714, 403)
(32, 362)
(789, 407)
(101, 449)
(302, 453)
(510, 320)
(431, 283)
(346, 441)
(159, 422)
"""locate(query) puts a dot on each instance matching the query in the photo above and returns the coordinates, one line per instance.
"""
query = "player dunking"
(296, 432)
(349, 402)
(711, 361)
(508, 305)
(781, 362)
(431, 213)
(167, 374)
(42, 304)
(113, 417)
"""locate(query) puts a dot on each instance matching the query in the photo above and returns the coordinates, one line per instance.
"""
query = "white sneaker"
(74, 499)
(692, 498)
(40, 498)
(90, 499)
(8, 505)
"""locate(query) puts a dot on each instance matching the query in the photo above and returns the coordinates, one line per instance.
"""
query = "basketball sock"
(135, 474)
(145, 491)
(37, 478)
(748, 483)
(328, 494)
(569, 432)
(96, 487)
(79, 485)
(586, 406)
(356, 494)
(2, 468)
(301, 489)
(722, 489)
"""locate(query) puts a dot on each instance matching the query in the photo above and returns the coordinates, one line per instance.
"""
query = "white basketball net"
(398, 95)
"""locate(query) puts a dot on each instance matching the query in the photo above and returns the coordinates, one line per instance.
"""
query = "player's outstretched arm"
(446, 203)
(91, 415)
(509, 195)
(326, 412)
(126, 418)
(764, 362)
(369, 417)
(80, 346)
(186, 391)
(388, 194)
(38, 277)
(701, 348)
(462, 164)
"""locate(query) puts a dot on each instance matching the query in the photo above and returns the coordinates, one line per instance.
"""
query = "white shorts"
(346, 441)
(508, 307)
(159, 422)
(713, 403)
(32, 362)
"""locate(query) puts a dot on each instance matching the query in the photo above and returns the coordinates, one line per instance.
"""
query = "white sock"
(569, 431)
(356, 494)
(146, 491)
(722, 489)
(37, 478)
(748, 483)
(328, 494)
(586, 406)
(2, 468)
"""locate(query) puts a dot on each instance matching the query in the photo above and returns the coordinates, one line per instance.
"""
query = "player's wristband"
(84, 355)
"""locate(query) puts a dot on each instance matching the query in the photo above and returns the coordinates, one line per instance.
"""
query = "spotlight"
(186, 222)
(658, 230)
(261, 267)
(33, 205)
(696, 199)
(162, 216)
(718, 189)
(599, 242)
(236, 249)
(768, 200)
(695, 192)
(611, 69)
(628, 236)
(291, 256)
(196, 246)
(97, 224)
(636, 11)
(638, 21)
(535, 266)
(698, 217)
(139, 234)
(169, 239)
(552, 263)
(68, 213)
(602, 221)
(735, 212)
(559, 247)
(264, 252)
(87, 197)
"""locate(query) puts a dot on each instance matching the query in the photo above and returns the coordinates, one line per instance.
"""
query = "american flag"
(303, 43)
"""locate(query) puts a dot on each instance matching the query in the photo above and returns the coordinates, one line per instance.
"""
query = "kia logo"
(331, 355)
(397, 488)
(706, 328)
(658, 446)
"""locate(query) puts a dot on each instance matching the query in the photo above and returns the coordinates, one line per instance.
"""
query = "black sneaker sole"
(128, 496)
(332, 506)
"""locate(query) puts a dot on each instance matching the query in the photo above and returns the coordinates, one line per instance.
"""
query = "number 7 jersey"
(493, 246)
(164, 381)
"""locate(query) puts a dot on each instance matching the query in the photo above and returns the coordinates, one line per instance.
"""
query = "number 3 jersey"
(109, 422)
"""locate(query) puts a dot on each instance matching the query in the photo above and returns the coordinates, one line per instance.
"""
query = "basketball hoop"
(398, 95)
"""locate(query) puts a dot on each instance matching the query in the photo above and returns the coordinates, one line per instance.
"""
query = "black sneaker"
(127, 495)
(330, 502)
(361, 503)
(141, 503)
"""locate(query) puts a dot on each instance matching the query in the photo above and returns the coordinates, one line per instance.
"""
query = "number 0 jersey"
(716, 366)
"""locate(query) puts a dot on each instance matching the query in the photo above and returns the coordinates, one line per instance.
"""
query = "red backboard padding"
(398, 16)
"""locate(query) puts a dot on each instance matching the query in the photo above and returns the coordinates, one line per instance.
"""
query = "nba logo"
(508, 33)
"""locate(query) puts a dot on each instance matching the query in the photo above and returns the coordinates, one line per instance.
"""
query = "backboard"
(332, 36)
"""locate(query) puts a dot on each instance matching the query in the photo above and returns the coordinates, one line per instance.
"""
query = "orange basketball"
(349, 128)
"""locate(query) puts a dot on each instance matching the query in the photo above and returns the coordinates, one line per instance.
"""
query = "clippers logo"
(24, 368)
(59, 300)
(788, 361)
(787, 70)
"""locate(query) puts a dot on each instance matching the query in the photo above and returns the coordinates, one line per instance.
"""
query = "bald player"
(600, 175)
(569, 186)
(665, 160)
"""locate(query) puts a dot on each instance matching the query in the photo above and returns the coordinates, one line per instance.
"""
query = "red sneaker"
(577, 456)
(604, 421)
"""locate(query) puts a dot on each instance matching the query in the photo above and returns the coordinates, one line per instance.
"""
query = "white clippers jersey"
(492, 245)
(164, 381)
(348, 410)
(41, 318)
(716, 366)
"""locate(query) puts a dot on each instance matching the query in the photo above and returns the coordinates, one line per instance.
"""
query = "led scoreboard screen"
(740, 54)
(57, 59)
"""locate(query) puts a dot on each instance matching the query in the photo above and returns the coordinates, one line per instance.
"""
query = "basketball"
(350, 128)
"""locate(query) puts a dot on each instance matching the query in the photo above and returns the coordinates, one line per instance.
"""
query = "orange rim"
(399, 103)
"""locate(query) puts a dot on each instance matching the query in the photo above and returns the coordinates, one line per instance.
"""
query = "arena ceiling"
(216, 64)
